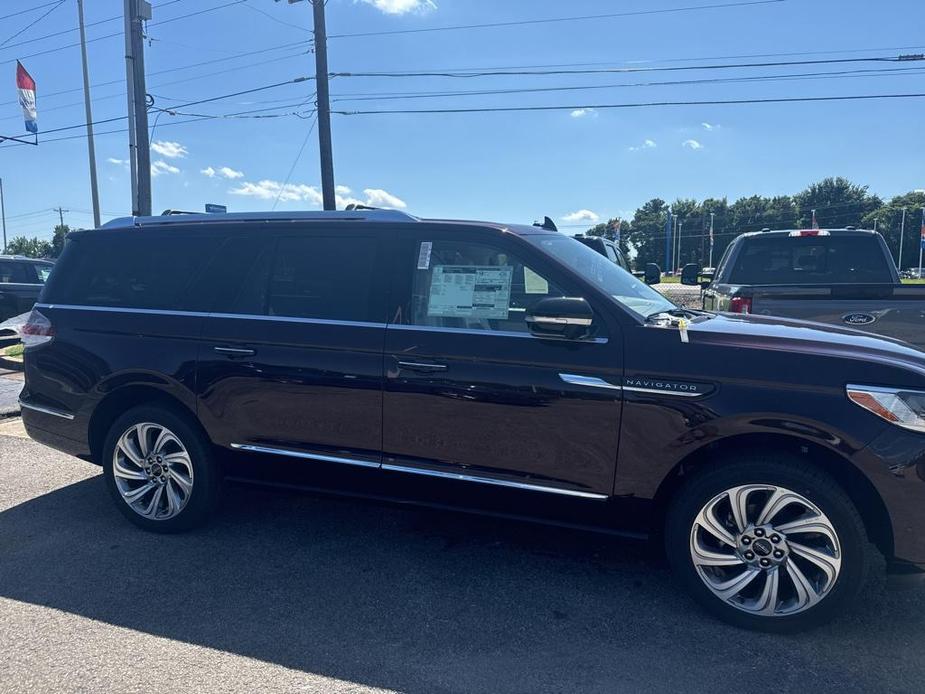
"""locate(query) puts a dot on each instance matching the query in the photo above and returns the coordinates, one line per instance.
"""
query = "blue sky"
(504, 166)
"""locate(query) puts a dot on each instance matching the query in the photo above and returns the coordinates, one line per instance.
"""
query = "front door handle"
(235, 351)
(421, 366)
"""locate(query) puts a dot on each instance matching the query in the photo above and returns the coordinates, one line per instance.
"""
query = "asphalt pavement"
(298, 592)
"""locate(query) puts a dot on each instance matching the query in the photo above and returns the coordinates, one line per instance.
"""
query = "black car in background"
(21, 280)
(607, 248)
(499, 369)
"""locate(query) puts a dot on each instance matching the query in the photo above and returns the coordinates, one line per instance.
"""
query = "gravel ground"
(289, 592)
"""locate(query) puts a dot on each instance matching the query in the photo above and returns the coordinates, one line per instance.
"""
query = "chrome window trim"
(499, 333)
(490, 480)
(251, 448)
(46, 410)
(659, 391)
(207, 314)
(310, 321)
(590, 381)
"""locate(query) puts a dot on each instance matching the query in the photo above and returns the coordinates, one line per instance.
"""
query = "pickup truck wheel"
(160, 470)
(768, 544)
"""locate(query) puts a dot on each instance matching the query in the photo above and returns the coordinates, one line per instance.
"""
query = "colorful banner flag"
(25, 85)
(615, 230)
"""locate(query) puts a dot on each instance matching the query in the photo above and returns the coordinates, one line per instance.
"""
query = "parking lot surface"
(296, 592)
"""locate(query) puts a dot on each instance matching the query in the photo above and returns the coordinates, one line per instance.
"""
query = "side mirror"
(690, 274)
(567, 317)
(706, 278)
(653, 274)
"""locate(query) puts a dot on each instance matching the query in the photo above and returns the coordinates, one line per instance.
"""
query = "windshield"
(609, 277)
(43, 271)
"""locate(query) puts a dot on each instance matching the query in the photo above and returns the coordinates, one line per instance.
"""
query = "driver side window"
(474, 286)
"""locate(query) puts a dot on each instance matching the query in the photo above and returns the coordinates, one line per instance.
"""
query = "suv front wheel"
(768, 543)
(160, 470)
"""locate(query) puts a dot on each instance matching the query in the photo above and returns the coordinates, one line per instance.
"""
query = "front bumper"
(894, 463)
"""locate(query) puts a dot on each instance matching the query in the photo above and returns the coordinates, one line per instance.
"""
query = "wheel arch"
(122, 399)
(859, 489)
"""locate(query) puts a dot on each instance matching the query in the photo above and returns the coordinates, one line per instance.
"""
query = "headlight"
(905, 408)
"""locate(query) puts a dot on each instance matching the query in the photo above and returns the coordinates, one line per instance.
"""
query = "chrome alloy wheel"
(152, 471)
(765, 550)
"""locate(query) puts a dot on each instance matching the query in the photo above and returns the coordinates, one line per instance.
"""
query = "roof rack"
(176, 218)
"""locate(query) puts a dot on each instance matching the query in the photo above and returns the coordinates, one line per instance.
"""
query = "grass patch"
(913, 281)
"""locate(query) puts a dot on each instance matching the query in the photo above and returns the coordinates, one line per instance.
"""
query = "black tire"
(794, 475)
(206, 477)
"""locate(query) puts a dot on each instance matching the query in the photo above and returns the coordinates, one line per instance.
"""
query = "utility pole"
(677, 258)
(323, 101)
(137, 11)
(902, 235)
(712, 214)
(91, 148)
(922, 243)
(3, 215)
(324, 107)
(60, 212)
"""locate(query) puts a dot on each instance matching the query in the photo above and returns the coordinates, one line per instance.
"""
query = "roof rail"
(369, 215)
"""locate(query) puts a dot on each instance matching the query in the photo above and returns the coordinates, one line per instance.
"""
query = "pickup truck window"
(609, 277)
(12, 272)
(811, 260)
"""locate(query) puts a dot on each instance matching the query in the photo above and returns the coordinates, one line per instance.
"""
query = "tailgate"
(897, 312)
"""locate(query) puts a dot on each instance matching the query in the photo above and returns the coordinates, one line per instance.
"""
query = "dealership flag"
(26, 87)
(923, 228)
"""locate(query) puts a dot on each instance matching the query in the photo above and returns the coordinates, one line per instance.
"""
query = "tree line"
(33, 247)
(837, 202)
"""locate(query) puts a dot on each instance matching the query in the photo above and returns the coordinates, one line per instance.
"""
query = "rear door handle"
(421, 366)
(235, 351)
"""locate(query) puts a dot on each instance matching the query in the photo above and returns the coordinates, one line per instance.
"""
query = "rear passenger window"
(12, 272)
(130, 269)
(328, 278)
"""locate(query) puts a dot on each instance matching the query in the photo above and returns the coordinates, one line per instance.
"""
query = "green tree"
(608, 230)
(647, 233)
(57, 241)
(888, 221)
(29, 247)
(838, 203)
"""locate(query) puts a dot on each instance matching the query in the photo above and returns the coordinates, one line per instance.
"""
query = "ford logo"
(859, 319)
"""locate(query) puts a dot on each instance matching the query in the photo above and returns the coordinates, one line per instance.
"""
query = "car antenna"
(547, 224)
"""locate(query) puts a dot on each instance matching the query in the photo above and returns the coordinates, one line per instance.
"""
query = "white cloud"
(294, 192)
(647, 144)
(402, 6)
(162, 167)
(342, 190)
(171, 150)
(117, 162)
(376, 197)
(692, 144)
(582, 112)
(228, 172)
(581, 216)
(208, 172)
(709, 126)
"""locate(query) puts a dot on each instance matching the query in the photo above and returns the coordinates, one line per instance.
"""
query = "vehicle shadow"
(426, 601)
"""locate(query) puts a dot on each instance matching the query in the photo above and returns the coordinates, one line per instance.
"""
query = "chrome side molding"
(590, 381)
(304, 455)
(489, 480)
(46, 410)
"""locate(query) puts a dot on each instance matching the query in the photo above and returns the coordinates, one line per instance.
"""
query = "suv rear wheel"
(160, 470)
(768, 544)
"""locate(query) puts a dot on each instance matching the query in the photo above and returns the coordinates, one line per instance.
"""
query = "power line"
(296, 161)
(385, 96)
(31, 24)
(31, 9)
(602, 107)
(625, 70)
(551, 20)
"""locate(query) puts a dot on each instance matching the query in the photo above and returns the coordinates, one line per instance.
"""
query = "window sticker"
(534, 283)
(424, 255)
(470, 291)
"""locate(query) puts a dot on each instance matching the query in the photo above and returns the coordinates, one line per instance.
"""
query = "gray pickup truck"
(842, 277)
